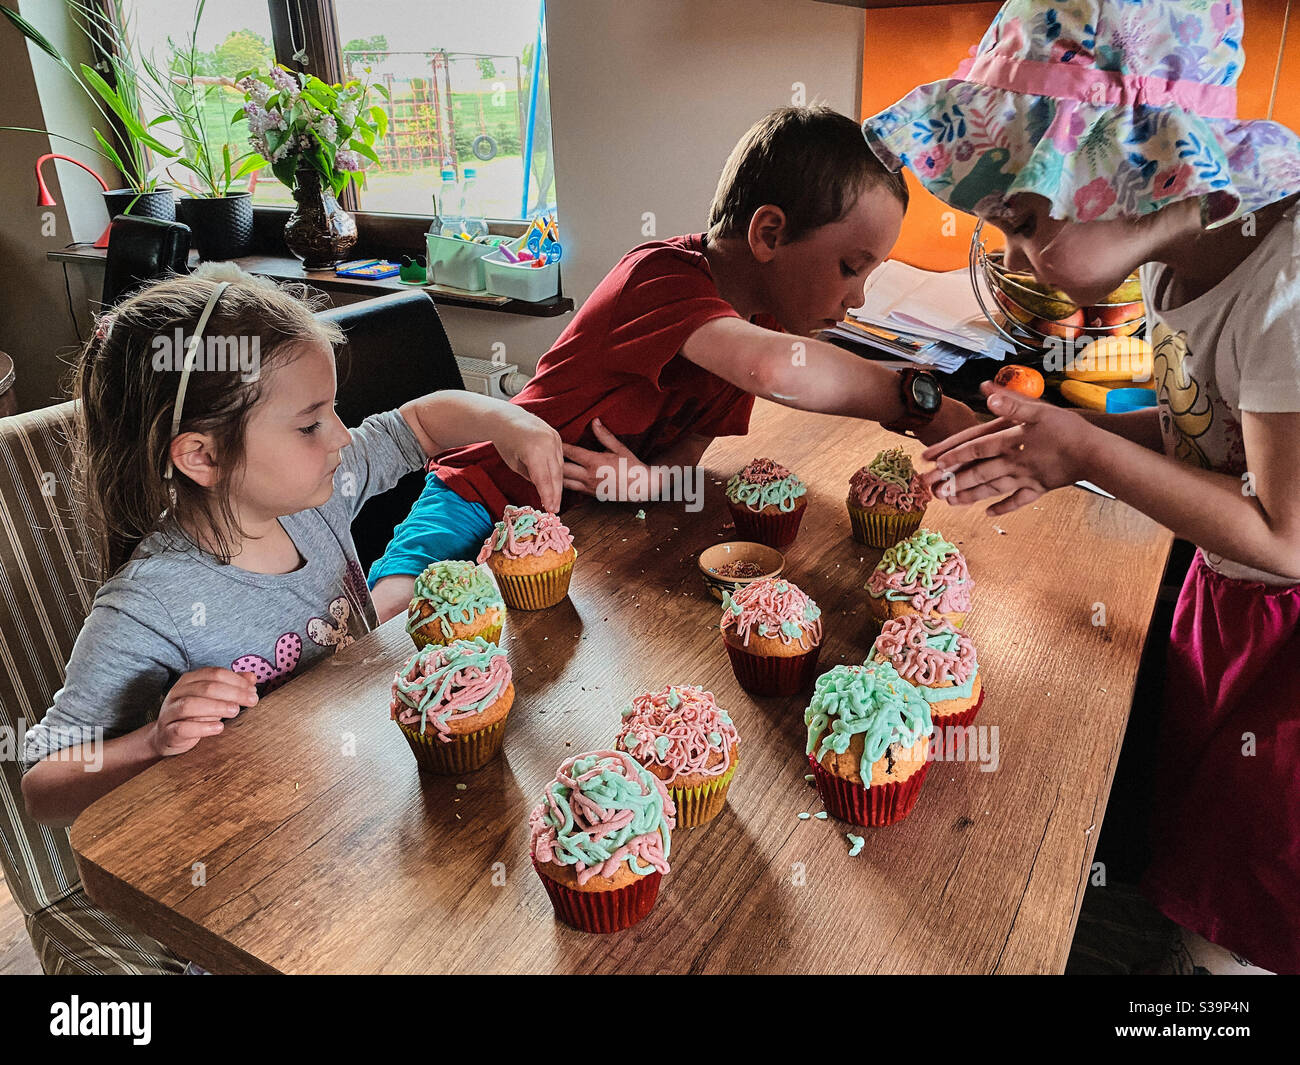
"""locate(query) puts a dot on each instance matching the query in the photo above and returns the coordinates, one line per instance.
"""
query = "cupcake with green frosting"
(868, 743)
(767, 502)
(887, 499)
(455, 600)
(600, 840)
(451, 704)
(924, 574)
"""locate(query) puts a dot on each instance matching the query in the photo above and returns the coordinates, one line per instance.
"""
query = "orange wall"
(906, 47)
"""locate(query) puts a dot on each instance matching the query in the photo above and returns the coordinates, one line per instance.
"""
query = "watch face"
(926, 393)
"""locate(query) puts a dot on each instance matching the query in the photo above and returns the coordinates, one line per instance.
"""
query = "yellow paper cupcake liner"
(491, 633)
(700, 805)
(883, 530)
(535, 591)
(463, 754)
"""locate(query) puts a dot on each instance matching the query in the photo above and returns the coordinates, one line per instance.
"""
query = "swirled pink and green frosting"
(931, 654)
(524, 531)
(871, 700)
(775, 608)
(764, 483)
(890, 478)
(603, 809)
(925, 570)
(457, 591)
(682, 728)
(443, 683)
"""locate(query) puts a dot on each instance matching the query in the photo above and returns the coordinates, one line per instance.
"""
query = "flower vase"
(319, 231)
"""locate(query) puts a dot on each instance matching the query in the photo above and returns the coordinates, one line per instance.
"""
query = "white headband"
(191, 350)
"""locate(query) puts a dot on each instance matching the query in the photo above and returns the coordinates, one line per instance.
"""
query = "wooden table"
(322, 849)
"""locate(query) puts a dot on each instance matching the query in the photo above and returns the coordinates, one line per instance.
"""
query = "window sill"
(285, 268)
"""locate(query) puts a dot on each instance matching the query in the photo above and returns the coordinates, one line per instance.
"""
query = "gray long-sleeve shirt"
(173, 608)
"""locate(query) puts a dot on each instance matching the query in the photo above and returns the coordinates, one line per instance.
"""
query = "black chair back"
(396, 350)
(141, 250)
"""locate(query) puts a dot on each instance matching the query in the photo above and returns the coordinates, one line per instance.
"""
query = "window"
(460, 78)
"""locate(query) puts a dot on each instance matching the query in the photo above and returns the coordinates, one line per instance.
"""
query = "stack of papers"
(923, 316)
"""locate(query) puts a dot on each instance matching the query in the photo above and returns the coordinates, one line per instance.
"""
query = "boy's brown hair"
(811, 162)
(126, 396)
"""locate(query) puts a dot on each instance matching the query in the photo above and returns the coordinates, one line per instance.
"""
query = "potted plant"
(219, 215)
(143, 196)
(317, 139)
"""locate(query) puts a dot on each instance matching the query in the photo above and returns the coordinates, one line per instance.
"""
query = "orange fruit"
(1023, 379)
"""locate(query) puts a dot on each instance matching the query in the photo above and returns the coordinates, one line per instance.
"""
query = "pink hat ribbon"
(1070, 81)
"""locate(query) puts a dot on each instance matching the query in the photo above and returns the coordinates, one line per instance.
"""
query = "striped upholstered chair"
(47, 564)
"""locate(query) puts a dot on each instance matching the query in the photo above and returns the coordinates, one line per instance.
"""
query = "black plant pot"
(159, 204)
(222, 227)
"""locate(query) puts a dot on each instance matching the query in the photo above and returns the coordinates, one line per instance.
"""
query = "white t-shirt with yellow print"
(1234, 348)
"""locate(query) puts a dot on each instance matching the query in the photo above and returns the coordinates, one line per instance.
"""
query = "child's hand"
(196, 706)
(953, 417)
(1030, 448)
(585, 470)
(532, 448)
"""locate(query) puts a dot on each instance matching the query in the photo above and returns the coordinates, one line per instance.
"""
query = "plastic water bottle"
(448, 207)
(471, 211)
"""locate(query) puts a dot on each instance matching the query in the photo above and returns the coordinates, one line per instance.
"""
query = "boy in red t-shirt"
(673, 345)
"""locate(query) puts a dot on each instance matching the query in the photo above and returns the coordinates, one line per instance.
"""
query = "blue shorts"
(440, 526)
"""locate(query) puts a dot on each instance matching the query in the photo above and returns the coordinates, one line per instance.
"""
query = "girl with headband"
(1102, 137)
(222, 493)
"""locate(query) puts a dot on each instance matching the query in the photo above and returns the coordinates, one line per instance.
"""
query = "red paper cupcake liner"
(959, 720)
(775, 528)
(602, 911)
(874, 807)
(773, 674)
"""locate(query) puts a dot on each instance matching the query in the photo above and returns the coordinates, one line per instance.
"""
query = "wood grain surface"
(322, 849)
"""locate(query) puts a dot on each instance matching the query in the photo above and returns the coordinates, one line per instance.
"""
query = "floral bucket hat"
(1108, 108)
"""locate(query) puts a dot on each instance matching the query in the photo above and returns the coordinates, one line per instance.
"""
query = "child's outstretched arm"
(1033, 447)
(586, 470)
(810, 374)
(60, 786)
(528, 445)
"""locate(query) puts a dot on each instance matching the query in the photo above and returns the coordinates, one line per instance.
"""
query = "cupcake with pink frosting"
(887, 499)
(531, 554)
(939, 661)
(600, 840)
(689, 742)
(923, 574)
(773, 633)
(451, 702)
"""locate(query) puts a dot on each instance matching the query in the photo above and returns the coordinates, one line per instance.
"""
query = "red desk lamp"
(44, 199)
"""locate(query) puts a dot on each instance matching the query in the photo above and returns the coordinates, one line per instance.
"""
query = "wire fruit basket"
(1036, 319)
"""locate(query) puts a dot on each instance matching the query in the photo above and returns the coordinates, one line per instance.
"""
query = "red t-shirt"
(619, 361)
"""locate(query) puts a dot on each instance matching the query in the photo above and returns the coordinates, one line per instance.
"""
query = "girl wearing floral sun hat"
(1102, 137)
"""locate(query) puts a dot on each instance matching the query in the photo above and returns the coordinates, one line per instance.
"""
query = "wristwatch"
(922, 397)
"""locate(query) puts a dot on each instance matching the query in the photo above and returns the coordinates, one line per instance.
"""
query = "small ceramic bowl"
(769, 561)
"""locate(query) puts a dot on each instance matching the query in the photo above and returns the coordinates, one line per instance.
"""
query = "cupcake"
(923, 574)
(600, 840)
(531, 555)
(773, 635)
(685, 739)
(887, 499)
(451, 704)
(767, 503)
(868, 743)
(454, 600)
(939, 661)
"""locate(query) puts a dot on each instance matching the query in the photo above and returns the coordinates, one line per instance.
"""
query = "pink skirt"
(1226, 815)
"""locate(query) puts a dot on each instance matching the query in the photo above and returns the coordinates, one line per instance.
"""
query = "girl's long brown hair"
(126, 393)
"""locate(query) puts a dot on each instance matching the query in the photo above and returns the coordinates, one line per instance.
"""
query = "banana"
(1081, 394)
(1114, 359)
